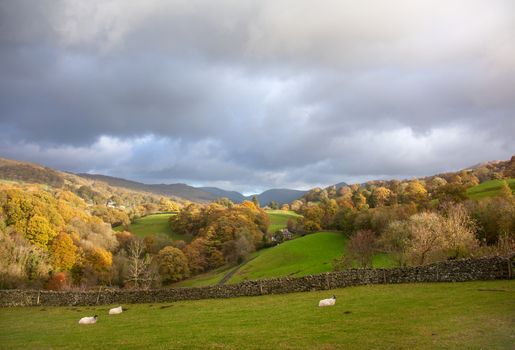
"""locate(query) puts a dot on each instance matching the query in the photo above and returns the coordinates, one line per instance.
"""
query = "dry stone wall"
(449, 271)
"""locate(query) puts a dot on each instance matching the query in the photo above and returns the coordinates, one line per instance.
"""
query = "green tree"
(255, 201)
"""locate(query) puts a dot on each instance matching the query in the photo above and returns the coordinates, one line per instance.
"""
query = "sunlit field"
(470, 315)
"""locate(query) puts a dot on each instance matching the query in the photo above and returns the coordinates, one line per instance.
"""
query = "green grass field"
(279, 219)
(307, 255)
(154, 224)
(470, 315)
(489, 188)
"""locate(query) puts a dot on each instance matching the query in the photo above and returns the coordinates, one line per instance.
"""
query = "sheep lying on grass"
(88, 320)
(116, 311)
(327, 302)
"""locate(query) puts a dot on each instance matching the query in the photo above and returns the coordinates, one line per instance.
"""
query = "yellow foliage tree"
(381, 195)
(39, 231)
(63, 253)
(100, 259)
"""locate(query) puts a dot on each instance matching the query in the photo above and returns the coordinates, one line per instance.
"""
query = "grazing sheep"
(115, 311)
(327, 302)
(88, 320)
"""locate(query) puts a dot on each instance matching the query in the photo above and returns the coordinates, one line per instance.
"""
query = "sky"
(252, 95)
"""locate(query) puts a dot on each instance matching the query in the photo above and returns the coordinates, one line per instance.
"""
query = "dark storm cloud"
(256, 94)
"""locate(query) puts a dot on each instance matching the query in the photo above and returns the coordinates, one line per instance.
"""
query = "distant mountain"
(14, 170)
(171, 190)
(234, 196)
(198, 194)
(279, 195)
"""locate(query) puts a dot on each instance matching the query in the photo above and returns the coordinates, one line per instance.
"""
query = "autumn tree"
(173, 265)
(452, 192)
(359, 200)
(39, 231)
(58, 281)
(459, 232)
(63, 253)
(360, 248)
(415, 192)
(380, 196)
(395, 240)
(426, 239)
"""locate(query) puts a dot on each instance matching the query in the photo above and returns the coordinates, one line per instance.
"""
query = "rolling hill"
(234, 196)
(307, 255)
(489, 188)
(172, 190)
(197, 194)
(27, 172)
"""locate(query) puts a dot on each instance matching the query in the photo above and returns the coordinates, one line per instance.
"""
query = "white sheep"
(327, 302)
(88, 320)
(116, 311)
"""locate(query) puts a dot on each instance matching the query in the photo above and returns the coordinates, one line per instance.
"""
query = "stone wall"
(448, 271)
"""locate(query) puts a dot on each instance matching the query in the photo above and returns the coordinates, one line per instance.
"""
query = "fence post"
(98, 296)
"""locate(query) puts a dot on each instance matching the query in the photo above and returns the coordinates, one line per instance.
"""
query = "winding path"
(233, 271)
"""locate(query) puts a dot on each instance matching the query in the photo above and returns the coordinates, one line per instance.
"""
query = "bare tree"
(361, 248)
(139, 271)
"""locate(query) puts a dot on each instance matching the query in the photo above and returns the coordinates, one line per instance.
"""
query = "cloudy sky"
(250, 95)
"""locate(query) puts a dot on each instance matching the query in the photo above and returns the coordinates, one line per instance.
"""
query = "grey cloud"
(257, 94)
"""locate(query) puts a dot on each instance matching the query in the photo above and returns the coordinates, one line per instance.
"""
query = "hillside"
(155, 224)
(20, 171)
(307, 255)
(279, 219)
(469, 315)
(121, 192)
(173, 190)
(14, 170)
(310, 254)
(234, 196)
(489, 188)
(198, 194)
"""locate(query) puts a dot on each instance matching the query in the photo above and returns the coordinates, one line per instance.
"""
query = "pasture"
(306, 255)
(470, 315)
(489, 188)
(153, 225)
(279, 219)
(311, 254)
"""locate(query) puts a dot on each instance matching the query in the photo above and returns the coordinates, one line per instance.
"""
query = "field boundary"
(492, 268)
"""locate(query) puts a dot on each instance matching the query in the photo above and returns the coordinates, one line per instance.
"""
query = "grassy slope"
(154, 224)
(489, 188)
(469, 315)
(310, 254)
(279, 219)
(307, 255)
